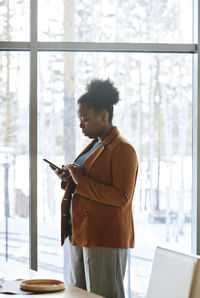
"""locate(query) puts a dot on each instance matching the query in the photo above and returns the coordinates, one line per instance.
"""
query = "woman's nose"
(81, 124)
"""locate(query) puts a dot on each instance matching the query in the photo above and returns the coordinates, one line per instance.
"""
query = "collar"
(113, 134)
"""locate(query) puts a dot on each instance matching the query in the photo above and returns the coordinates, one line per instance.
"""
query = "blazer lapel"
(91, 159)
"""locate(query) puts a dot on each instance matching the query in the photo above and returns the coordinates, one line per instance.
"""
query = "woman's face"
(91, 123)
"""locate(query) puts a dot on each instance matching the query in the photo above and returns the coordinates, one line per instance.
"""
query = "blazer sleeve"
(124, 167)
(63, 184)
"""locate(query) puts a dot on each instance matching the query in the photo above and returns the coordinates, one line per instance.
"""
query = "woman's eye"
(83, 119)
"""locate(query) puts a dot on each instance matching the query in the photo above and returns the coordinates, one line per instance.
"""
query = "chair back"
(174, 275)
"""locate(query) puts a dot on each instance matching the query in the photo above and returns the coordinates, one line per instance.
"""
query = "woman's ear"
(104, 115)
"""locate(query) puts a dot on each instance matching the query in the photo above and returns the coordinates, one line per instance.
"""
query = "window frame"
(34, 46)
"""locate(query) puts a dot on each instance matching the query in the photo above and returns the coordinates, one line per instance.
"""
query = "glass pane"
(155, 115)
(154, 21)
(15, 20)
(14, 160)
(50, 146)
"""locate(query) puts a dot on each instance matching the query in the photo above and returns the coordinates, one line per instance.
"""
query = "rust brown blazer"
(102, 199)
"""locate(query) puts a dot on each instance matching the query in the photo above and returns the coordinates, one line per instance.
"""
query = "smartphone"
(55, 167)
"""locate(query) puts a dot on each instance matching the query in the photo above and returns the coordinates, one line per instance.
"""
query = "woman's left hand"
(76, 172)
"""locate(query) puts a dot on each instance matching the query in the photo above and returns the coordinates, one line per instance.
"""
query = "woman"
(96, 210)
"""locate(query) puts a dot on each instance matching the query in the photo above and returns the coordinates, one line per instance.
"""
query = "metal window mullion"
(101, 47)
(197, 124)
(195, 154)
(196, 134)
(14, 46)
(117, 47)
(33, 136)
(197, 157)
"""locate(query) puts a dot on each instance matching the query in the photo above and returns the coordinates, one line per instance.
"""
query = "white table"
(69, 292)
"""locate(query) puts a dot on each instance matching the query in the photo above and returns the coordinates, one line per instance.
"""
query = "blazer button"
(86, 213)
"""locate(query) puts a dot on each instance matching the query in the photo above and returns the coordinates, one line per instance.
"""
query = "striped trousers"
(99, 270)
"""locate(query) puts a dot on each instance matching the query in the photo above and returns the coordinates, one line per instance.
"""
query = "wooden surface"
(42, 285)
(68, 292)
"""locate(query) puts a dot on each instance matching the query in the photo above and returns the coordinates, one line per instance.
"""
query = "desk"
(69, 292)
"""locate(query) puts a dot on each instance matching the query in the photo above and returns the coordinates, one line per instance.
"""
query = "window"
(15, 20)
(14, 157)
(115, 21)
(156, 73)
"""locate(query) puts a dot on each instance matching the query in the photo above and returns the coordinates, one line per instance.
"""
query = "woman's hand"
(75, 171)
(64, 176)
